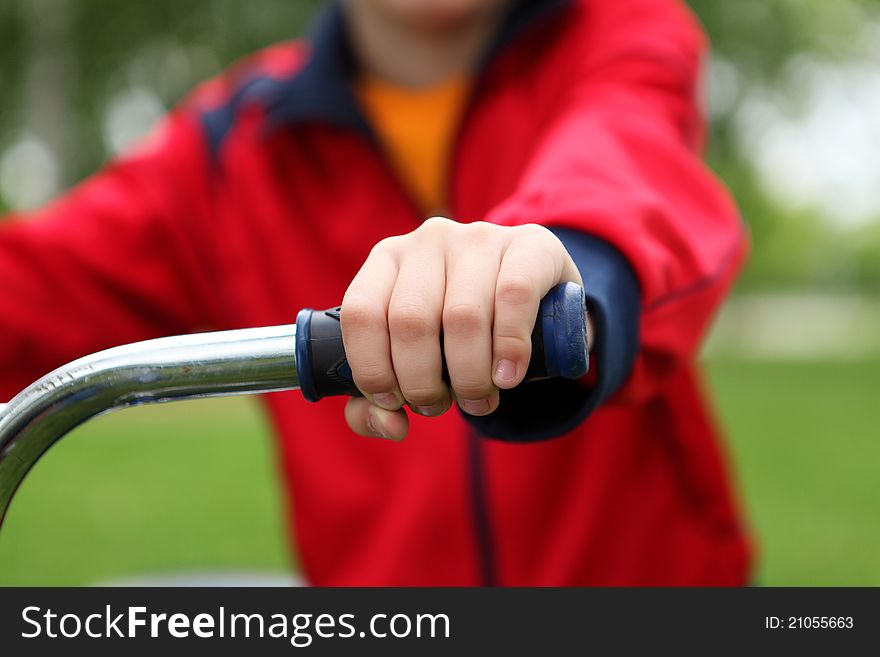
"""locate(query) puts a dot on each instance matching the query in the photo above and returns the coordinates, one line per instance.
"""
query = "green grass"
(179, 487)
(194, 486)
(806, 441)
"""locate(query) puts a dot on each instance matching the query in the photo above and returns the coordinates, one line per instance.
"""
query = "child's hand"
(480, 284)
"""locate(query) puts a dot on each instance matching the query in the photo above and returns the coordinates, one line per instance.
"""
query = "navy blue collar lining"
(322, 90)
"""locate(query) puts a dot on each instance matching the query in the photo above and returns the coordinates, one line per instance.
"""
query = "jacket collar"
(322, 90)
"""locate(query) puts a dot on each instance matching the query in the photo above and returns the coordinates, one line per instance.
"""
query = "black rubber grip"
(559, 345)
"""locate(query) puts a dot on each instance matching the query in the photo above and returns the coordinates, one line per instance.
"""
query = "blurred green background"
(793, 93)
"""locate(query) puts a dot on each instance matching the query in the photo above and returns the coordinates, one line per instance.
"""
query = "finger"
(467, 325)
(364, 324)
(532, 264)
(414, 321)
(365, 419)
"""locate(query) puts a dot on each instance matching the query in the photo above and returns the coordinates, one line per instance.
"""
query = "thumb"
(372, 421)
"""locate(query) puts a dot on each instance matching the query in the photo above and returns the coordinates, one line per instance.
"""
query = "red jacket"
(264, 192)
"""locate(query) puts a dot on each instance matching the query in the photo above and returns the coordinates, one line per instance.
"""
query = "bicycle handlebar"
(308, 355)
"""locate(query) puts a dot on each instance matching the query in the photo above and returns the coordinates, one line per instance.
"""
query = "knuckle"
(435, 224)
(472, 389)
(422, 395)
(359, 314)
(410, 323)
(481, 231)
(515, 347)
(373, 377)
(464, 318)
(535, 231)
(538, 237)
(389, 245)
(437, 221)
(515, 290)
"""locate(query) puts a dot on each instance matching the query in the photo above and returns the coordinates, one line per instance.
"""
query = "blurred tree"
(754, 45)
(62, 62)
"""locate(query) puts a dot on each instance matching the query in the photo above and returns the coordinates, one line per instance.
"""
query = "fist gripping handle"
(559, 345)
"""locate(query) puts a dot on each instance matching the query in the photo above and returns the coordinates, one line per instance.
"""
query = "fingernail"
(376, 427)
(430, 411)
(474, 406)
(505, 373)
(387, 400)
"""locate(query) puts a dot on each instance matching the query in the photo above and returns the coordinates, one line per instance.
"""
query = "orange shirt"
(417, 128)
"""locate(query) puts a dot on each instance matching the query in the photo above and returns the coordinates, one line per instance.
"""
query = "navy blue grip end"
(563, 321)
(303, 354)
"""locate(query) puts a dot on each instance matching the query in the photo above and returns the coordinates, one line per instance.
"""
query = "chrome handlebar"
(166, 369)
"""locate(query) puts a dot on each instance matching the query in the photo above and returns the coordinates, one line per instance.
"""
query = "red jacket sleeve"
(113, 261)
(619, 164)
